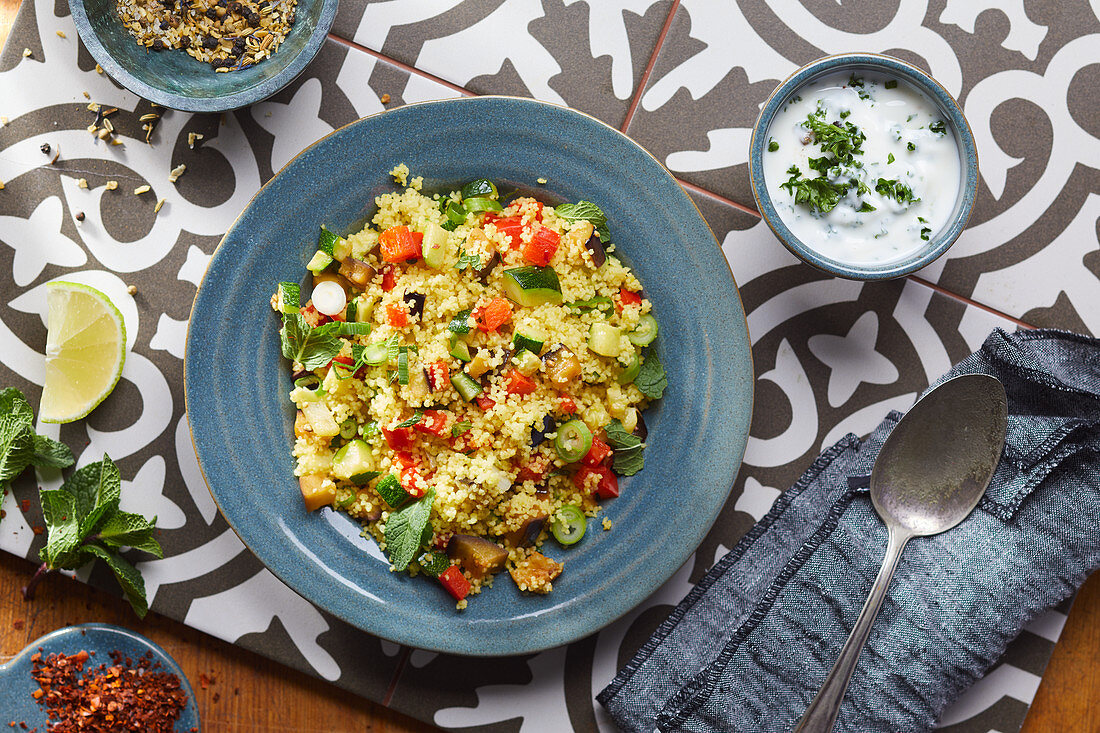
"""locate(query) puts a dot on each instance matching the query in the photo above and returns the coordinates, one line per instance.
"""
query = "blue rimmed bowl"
(173, 79)
(236, 381)
(934, 91)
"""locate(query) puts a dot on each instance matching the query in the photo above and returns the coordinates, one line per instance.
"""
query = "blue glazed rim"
(968, 187)
(17, 685)
(721, 397)
(263, 88)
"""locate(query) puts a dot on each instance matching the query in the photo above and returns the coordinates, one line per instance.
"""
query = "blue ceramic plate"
(237, 381)
(175, 80)
(934, 91)
(17, 686)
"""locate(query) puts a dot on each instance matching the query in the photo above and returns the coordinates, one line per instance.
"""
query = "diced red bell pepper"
(512, 226)
(313, 316)
(538, 211)
(542, 246)
(455, 582)
(433, 422)
(348, 362)
(535, 469)
(627, 297)
(598, 453)
(399, 245)
(608, 485)
(389, 277)
(396, 316)
(418, 240)
(412, 482)
(399, 438)
(485, 403)
(439, 375)
(567, 405)
(493, 315)
(519, 384)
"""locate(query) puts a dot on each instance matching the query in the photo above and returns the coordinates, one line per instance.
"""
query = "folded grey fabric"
(751, 644)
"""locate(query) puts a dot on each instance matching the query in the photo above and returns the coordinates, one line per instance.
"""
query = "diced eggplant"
(483, 272)
(299, 374)
(528, 533)
(640, 429)
(415, 303)
(477, 554)
(538, 435)
(596, 248)
(562, 365)
(357, 271)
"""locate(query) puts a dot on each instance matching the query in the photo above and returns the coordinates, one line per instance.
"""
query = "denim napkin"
(751, 644)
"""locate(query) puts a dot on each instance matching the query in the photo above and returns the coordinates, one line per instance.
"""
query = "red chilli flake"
(120, 697)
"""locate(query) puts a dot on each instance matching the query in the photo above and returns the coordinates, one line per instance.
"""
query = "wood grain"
(245, 684)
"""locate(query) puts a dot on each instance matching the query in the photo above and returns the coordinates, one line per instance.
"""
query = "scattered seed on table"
(87, 96)
(110, 185)
(80, 216)
(26, 52)
(3, 121)
(98, 69)
(93, 106)
(81, 182)
(142, 189)
(116, 141)
(103, 134)
(1, 185)
(177, 172)
(45, 148)
(131, 289)
(192, 137)
(156, 207)
(542, 181)
(385, 99)
(61, 34)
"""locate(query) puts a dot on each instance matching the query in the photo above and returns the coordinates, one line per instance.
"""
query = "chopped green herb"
(628, 458)
(844, 115)
(842, 141)
(772, 146)
(938, 127)
(891, 84)
(817, 193)
(857, 83)
(417, 417)
(910, 146)
(866, 207)
(467, 260)
(405, 529)
(651, 379)
(460, 428)
(600, 302)
(896, 190)
(889, 157)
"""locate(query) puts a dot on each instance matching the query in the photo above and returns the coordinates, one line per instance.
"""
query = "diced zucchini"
(646, 331)
(326, 241)
(391, 491)
(289, 297)
(434, 246)
(341, 250)
(461, 322)
(479, 187)
(459, 349)
(530, 286)
(364, 309)
(354, 458)
(604, 339)
(466, 386)
(530, 343)
(434, 563)
(628, 375)
(526, 363)
(320, 261)
(478, 204)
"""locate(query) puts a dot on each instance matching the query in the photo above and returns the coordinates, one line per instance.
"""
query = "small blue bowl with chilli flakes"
(237, 382)
(173, 79)
(790, 92)
(100, 641)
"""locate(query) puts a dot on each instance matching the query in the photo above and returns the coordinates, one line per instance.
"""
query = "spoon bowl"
(929, 475)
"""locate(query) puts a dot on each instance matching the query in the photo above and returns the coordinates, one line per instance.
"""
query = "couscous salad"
(469, 374)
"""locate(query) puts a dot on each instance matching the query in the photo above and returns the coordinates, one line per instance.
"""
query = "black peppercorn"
(80, 216)
(209, 43)
(165, 25)
(211, 13)
(158, 45)
(45, 148)
(185, 41)
(254, 20)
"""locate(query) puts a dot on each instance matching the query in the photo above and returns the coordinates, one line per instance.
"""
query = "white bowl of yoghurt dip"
(863, 166)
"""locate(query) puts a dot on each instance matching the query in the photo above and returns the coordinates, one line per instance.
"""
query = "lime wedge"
(85, 350)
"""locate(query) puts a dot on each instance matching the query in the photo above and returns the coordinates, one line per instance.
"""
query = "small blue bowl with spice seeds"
(94, 644)
(230, 35)
(863, 166)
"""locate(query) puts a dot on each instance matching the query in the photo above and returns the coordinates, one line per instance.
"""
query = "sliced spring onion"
(456, 215)
(466, 386)
(604, 339)
(646, 331)
(478, 204)
(574, 441)
(320, 261)
(347, 500)
(393, 348)
(352, 311)
(403, 366)
(569, 525)
(348, 429)
(374, 354)
(310, 381)
(628, 375)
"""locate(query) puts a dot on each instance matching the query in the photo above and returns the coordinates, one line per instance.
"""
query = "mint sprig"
(405, 528)
(586, 211)
(84, 523)
(651, 380)
(20, 446)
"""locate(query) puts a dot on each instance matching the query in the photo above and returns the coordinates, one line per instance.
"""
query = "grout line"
(649, 67)
(402, 65)
(402, 662)
(717, 197)
(955, 296)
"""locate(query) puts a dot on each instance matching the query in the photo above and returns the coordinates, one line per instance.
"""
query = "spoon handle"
(822, 712)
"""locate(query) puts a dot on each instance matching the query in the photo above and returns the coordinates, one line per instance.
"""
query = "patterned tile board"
(588, 54)
(1026, 76)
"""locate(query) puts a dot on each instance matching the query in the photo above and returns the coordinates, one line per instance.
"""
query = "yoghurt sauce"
(885, 178)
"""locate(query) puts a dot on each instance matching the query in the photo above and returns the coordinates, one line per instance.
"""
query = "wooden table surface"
(243, 686)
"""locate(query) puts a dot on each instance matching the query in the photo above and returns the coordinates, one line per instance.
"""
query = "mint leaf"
(586, 211)
(127, 575)
(16, 445)
(628, 458)
(817, 193)
(405, 528)
(12, 402)
(48, 453)
(96, 489)
(59, 511)
(461, 428)
(123, 529)
(467, 260)
(417, 416)
(310, 347)
(651, 379)
(892, 188)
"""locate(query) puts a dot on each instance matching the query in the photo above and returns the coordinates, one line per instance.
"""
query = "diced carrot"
(519, 384)
(542, 246)
(397, 316)
(493, 315)
(455, 582)
(399, 245)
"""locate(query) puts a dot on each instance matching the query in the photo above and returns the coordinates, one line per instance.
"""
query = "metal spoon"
(929, 475)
